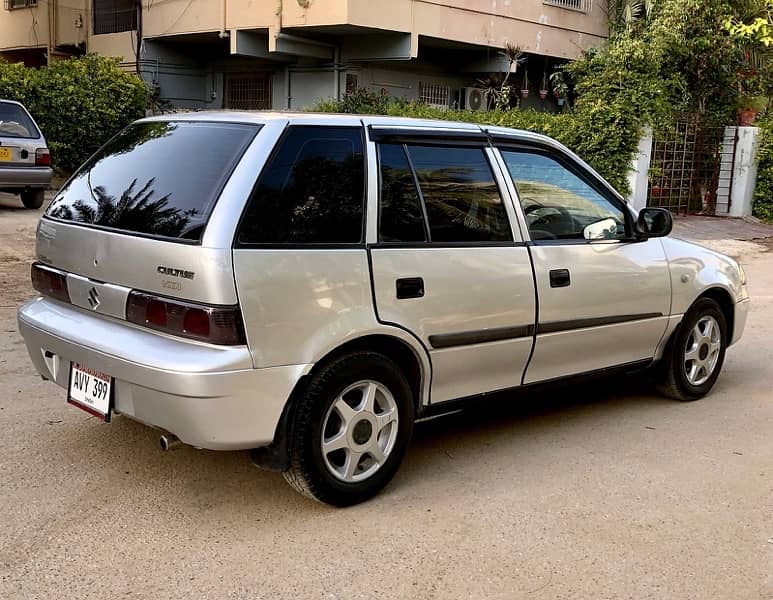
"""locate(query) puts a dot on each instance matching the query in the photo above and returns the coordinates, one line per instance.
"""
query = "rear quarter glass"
(15, 122)
(159, 178)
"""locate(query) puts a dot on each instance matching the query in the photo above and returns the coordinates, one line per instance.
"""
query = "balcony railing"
(578, 5)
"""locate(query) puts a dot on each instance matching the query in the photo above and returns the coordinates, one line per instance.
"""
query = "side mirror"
(654, 222)
(606, 229)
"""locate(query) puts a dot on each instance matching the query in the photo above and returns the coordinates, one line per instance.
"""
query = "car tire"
(696, 353)
(32, 198)
(352, 424)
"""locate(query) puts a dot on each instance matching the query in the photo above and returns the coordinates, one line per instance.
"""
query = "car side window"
(311, 190)
(558, 203)
(460, 194)
(400, 213)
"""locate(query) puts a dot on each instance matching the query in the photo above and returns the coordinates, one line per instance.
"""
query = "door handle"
(560, 278)
(410, 287)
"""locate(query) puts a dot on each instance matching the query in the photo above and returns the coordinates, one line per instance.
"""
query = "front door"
(603, 302)
(449, 267)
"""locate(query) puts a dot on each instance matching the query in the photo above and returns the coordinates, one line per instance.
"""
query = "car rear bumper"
(208, 396)
(23, 177)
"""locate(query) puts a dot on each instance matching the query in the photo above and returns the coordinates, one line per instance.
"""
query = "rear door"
(602, 302)
(449, 265)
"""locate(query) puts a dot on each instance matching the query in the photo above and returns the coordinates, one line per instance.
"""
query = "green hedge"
(763, 194)
(78, 103)
(605, 138)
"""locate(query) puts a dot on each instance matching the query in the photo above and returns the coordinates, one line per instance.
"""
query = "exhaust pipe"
(169, 441)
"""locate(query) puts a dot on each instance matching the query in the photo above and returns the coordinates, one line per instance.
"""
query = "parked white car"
(307, 286)
(25, 161)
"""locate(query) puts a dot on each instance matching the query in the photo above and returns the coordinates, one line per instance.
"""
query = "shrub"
(78, 103)
(763, 194)
(605, 138)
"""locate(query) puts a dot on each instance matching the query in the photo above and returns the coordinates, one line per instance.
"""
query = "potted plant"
(560, 87)
(748, 109)
(543, 89)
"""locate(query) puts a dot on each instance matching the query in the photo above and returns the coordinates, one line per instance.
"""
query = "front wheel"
(352, 426)
(697, 353)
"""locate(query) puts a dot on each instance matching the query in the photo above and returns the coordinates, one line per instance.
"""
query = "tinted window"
(158, 178)
(311, 190)
(557, 202)
(400, 217)
(15, 122)
(460, 194)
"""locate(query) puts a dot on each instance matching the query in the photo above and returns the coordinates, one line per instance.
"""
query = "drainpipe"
(336, 72)
(224, 14)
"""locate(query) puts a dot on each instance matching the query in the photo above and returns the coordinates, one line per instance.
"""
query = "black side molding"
(556, 326)
(480, 336)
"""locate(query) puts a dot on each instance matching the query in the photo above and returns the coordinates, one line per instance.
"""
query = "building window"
(114, 16)
(434, 94)
(11, 4)
(248, 91)
(351, 83)
(579, 5)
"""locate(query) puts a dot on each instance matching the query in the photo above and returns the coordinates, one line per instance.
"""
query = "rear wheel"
(697, 353)
(32, 198)
(352, 426)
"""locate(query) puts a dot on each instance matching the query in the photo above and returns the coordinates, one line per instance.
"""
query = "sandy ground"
(603, 491)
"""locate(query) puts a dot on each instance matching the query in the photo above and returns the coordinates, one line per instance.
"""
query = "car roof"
(503, 134)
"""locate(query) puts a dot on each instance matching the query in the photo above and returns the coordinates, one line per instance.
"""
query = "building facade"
(289, 54)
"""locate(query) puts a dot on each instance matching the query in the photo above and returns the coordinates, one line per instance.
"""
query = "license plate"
(91, 391)
(5, 154)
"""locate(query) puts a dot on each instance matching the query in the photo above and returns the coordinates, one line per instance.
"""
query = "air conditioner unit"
(473, 98)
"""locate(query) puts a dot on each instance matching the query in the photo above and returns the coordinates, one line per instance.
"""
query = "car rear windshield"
(155, 178)
(15, 122)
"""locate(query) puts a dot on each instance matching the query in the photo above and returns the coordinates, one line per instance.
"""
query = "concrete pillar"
(638, 175)
(744, 172)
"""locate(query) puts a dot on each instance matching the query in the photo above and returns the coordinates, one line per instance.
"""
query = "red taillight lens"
(42, 157)
(49, 283)
(214, 324)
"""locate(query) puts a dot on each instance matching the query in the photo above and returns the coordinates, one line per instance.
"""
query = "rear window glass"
(156, 178)
(15, 122)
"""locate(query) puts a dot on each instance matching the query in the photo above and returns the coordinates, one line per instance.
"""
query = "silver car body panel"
(614, 312)
(301, 304)
(134, 261)
(20, 172)
(209, 396)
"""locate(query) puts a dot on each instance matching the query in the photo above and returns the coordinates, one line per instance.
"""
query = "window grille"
(114, 16)
(578, 5)
(434, 94)
(11, 4)
(248, 91)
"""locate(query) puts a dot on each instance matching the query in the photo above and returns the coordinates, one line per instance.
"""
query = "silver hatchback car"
(308, 286)
(25, 161)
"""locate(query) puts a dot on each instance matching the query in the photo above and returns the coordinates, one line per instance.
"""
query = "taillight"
(214, 324)
(49, 283)
(42, 157)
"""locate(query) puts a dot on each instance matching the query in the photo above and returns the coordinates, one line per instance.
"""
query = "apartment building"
(256, 54)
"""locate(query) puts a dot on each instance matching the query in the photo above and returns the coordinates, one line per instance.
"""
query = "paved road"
(592, 492)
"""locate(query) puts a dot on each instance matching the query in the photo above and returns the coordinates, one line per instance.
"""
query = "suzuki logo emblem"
(93, 298)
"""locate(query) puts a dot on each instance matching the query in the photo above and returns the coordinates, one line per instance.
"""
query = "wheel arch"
(410, 356)
(722, 297)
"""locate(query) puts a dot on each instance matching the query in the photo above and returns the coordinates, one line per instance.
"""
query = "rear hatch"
(19, 136)
(132, 221)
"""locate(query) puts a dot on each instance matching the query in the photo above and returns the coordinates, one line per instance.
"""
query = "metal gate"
(248, 91)
(691, 168)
